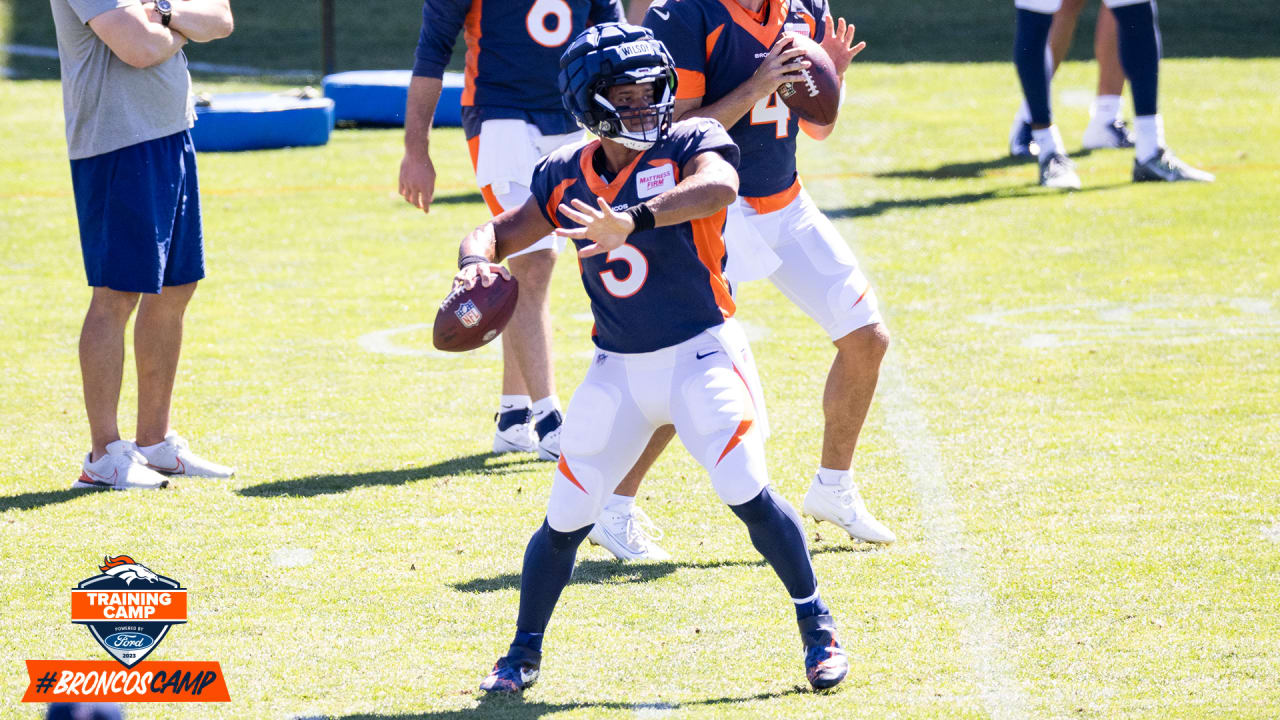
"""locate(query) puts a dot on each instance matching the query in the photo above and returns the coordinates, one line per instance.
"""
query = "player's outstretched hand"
(606, 227)
(838, 42)
(418, 181)
(485, 273)
(782, 65)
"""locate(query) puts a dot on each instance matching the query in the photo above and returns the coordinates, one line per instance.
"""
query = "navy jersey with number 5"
(717, 46)
(664, 285)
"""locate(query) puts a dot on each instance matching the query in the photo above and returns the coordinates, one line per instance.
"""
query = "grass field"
(1076, 436)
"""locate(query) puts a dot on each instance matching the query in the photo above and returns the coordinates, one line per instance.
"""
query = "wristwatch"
(165, 8)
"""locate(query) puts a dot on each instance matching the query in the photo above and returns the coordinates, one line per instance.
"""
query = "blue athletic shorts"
(139, 210)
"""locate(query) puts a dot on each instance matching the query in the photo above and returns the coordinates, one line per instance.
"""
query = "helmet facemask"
(637, 128)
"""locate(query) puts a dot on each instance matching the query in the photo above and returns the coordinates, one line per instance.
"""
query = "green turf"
(1092, 379)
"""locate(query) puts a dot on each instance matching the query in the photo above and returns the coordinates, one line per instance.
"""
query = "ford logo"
(129, 641)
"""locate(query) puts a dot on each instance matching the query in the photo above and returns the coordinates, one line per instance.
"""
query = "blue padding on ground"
(377, 97)
(260, 121)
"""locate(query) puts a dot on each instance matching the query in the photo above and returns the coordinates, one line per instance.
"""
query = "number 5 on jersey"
(638, 270)
(771, 109)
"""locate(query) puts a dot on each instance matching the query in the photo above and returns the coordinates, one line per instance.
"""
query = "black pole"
(327, 35)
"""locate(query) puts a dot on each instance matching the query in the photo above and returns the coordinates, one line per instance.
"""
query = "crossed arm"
(136, 35)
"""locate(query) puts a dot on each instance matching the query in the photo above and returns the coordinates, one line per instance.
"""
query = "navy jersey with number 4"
(665, 285)
(717, 46)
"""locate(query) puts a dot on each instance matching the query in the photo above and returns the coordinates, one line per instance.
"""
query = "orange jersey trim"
(710, 246)
(471, 35)
(776, 201)
(599, 187)
(690, 84)
(712, 38)
(553, 202)
(764, 30)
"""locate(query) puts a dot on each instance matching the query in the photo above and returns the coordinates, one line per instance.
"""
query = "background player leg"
(111, 462)
(1030, 41)
(1139, 35)
(846, 399)
(1106, 128)
(526, 348)
(102, 362)
(157, 345)
(624, 529)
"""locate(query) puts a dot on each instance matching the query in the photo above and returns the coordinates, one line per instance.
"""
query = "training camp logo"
(128, 608)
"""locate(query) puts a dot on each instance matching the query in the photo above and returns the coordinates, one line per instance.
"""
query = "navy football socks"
(1030, 37)
(548, 566)
(777, 534)
(1140, 53)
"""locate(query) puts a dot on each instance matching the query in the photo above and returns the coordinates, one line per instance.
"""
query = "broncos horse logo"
(123, 567)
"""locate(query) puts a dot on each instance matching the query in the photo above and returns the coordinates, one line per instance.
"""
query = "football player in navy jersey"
(732, 56)
(1139, 39)
(511, 117)
(645, 205)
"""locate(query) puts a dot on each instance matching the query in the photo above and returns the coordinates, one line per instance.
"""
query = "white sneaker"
(629, 536)
(842, 505)
(514, 432)
(122, 468)
(173, 457)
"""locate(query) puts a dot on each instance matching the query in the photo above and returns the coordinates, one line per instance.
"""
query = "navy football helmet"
(612, 54)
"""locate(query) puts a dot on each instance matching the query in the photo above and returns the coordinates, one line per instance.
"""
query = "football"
(469, 319)
(817, 99)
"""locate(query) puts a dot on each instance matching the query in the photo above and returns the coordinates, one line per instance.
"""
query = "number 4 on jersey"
(771, 109)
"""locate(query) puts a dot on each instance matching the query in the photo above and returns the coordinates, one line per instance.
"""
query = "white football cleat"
(173, 457)
(629, 536)
(1058, 172)
(842, 505)
(1105, 136)
(548, 432)
(122, 468)
(514, 432)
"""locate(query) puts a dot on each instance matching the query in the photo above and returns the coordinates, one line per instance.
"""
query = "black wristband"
(466, 260)
(642, 216)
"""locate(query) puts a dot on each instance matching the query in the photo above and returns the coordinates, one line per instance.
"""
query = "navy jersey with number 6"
(664, 285)
(513, 47)
(717, 46)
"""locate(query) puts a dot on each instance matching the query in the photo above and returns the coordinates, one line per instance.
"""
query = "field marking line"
(946, 542)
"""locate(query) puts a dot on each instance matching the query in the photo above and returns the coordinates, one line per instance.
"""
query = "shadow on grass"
(515, 707)
(487, 463)
(33, 500)
(615, 572)
(879, 207)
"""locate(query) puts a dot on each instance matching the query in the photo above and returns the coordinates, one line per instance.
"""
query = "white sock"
(620, 504)
(544, 406)
(1105, 110)
(1024, 113)
(1148, 135)
(1049, 140)
(827, 476)
(513, 402)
